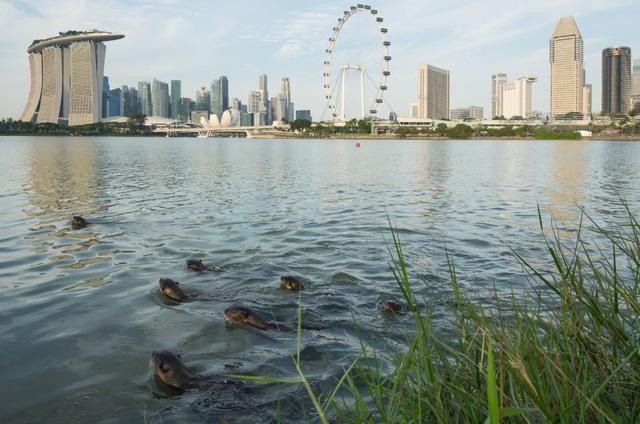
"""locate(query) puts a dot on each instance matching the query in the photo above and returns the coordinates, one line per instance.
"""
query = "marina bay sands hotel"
(66, 78)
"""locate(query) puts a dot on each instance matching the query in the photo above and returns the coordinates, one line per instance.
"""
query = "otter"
(171, 289)
(391, 306)
(291, 283)
(241, 315)
(78, 222)
(198, 266)
(170, 370)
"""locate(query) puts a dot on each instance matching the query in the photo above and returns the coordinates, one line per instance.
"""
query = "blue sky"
(196, 41)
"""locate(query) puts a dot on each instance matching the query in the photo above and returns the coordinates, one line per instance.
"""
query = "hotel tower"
(66, 78)
(566, 52)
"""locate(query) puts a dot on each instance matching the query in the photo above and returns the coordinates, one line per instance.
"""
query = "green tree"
(300, 125)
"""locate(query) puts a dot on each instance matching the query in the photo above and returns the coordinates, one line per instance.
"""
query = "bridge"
(248, 132)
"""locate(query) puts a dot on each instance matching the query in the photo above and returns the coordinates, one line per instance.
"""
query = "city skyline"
(513, 41)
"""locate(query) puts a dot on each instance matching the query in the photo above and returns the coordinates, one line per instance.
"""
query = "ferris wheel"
(380, 84)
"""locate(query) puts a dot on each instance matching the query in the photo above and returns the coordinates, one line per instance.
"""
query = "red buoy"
(357, 144)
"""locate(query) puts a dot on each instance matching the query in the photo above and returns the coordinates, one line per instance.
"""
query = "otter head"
(171, 289)
(196, 265)
(288, 282)
(237, 314)
(78, 222)
(170, 369)
(391, 306)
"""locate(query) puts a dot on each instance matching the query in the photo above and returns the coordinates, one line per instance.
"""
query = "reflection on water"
(81, 310)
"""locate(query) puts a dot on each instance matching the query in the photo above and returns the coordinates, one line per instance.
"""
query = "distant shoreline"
(363, 137)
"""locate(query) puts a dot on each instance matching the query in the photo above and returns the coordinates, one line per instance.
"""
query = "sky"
(197, 41)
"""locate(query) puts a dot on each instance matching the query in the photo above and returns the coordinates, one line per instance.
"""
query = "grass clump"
(565, 351)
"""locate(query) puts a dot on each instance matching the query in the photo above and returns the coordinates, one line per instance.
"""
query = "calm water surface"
(80, 312)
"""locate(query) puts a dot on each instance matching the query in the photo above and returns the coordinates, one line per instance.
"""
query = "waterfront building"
(497, 81)
(105, 97)
(253, 103)
(216, 98)
(517, 98)
(203, 100)
(160, 98)
(263, 88)
(246, 119)
(566, 53)
(285, 93)
(616, 80)
(144, 98)
(586, 100)
(184, 114)
(304, 114)
(459, 114)
(128, 101)
(465, 113)
(176, 96)
(433, 92)
(67, 78)
(413, 110)
(115, 102)
(635, 86)
(224, 93)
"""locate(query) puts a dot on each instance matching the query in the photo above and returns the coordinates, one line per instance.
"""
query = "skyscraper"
(497, 81)
(66, 77)
(224, 92)
(263, 88)
(433, 92)
(517, 97)
(635, 86)
(616, 80)
(160, 98)
(144, 98)
(285, 91)
(216, 98)
(176, 95)
(203, 100)
(566, 52)
(105, 96)
(586, 100)
(115, 102)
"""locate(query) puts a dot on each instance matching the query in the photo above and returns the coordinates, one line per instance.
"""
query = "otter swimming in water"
(78, 222)
(291, 283)
(242, 315)
(198, 266)
(171, 289)
(391, 306)
(170, 370)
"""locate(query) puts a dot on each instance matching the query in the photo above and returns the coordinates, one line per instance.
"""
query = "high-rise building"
(216, 98)
(128, 101)
(635, 87)
(285, 92)
(586, 100)
(517, 98)
(413, 110)
(566, 52)
(176, 96)
(115, 102)
(203, 100)
(433, 92)
(236, 104)
(105, 96)
(497, 81)
(616, 80)
(263, 88)
(144, 98)
(160, 98)
(185, 109)
(303, 114)
(253, 103)
(224, 92)
(66, 77)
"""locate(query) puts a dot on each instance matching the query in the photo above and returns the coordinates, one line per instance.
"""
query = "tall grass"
(565, 350)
